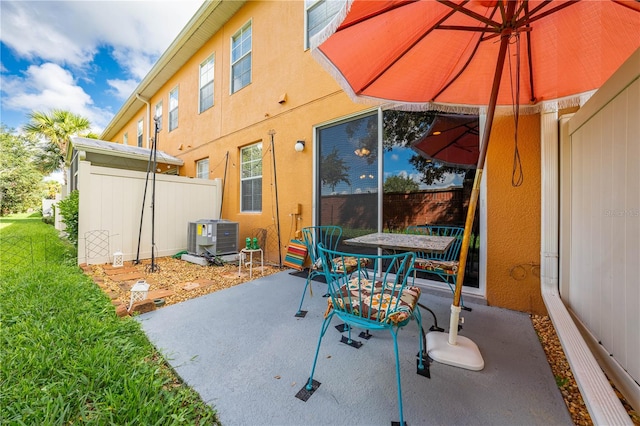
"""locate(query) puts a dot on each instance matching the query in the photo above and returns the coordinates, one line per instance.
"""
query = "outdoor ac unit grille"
(227, 238)
(214, 237)
(191, 237)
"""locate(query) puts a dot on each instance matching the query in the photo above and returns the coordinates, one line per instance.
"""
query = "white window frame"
(202, 168)
(125, 138)
(251, 177)
(158, 115)
(207, 69)
(140, 133)
(330, 10)
(174, 96)
(244, 55)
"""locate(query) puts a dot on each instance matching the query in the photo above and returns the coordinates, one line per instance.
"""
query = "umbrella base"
(464, 354)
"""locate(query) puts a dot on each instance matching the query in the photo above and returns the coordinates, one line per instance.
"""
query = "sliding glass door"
(412, 189)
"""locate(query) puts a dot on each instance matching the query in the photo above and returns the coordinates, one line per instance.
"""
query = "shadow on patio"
(247, 355)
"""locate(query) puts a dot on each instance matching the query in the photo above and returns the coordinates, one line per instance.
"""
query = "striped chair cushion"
(296, 255)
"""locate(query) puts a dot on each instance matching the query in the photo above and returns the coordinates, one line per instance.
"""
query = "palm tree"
(56, 129)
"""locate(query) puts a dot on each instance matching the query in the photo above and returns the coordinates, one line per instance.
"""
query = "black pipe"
(154, 150)
(144, 199)
(224, 181)
(275, 183)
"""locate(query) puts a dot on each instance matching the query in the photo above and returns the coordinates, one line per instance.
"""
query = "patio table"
(403, 242)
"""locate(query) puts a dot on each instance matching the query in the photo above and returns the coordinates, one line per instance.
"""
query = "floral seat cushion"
(339, 264)
(359, 297)
(437, 266)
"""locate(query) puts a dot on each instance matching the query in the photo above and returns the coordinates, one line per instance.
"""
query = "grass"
(66, 357)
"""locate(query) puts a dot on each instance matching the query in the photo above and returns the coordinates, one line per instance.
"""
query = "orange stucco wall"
(281, 66)
(513, 217)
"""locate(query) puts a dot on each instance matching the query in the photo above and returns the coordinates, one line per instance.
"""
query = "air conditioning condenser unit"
(208, 237)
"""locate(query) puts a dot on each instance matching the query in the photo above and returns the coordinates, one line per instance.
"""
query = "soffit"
(207, 21)
(104, 149)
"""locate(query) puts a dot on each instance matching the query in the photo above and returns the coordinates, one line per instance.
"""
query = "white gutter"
(603, 404)
(146, 101)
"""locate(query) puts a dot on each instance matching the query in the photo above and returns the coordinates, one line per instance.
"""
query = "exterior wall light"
(299, 146)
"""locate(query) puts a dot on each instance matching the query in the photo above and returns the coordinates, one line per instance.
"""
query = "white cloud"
(49, 86)
(61, 39)
(122, 89)
(70, 32)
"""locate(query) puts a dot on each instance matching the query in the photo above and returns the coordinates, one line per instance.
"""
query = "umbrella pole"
(457, 350)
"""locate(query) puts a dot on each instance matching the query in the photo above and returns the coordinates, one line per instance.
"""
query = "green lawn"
(65, 357)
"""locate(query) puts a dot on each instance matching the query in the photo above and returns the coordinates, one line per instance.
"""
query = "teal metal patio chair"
(327, 235)
(443, 265)
(385, 302)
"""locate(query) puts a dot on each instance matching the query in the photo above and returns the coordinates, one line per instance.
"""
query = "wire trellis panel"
(96, 244)
(15, 252)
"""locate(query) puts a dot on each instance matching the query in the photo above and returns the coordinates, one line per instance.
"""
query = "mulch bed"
(564, 377)
(174, 280)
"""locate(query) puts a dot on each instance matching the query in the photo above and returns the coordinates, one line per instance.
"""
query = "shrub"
(69, 212)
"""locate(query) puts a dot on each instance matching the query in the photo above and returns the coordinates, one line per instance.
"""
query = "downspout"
(148, 120)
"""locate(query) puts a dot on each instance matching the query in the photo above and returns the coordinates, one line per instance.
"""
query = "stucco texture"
(513, 217)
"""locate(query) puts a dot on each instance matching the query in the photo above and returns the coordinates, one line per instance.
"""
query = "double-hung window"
(202, 169)
(241, 58)
(319, 14)
(158, 115)
(251, 178)
(206, 84)
(173, 109)
(140, 132)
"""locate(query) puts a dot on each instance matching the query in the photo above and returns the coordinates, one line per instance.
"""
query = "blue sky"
(86, 57)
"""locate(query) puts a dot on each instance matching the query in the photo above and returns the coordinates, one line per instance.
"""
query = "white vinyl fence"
(111, 204)
(600, 222)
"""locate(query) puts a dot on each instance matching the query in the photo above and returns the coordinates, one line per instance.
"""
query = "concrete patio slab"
(247, 355)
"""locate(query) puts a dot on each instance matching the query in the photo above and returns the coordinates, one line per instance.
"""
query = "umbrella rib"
(532, 96)
(464, 67)
(529, 17)
(377, 13)
(453, 142)
(460, 8)
(407, 49)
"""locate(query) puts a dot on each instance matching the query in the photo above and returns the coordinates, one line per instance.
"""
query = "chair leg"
(423, 359)
(394, 333)
(312, 385)
(301, 313)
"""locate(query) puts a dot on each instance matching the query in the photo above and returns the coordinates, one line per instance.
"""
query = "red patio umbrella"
(460, 56)
(451, 139)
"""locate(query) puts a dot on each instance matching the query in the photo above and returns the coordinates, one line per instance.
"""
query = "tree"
(400, 184)
(50, 189)
(334, 170)
(69, 210)
(19, 178)
(56, 129)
